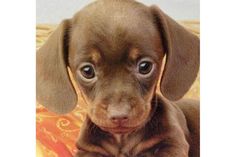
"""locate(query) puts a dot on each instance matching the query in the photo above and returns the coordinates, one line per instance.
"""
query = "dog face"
(115, 51)
(118, 93)
(117, 65)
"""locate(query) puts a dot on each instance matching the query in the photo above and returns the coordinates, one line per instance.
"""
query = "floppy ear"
(53, 85)
(182, 56)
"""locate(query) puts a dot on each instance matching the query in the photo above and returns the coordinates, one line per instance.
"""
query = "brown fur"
(114, 35)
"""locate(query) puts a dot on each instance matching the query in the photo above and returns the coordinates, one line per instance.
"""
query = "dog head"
(115, 51)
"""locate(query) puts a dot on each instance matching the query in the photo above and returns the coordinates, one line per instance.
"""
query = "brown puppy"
(115, 50)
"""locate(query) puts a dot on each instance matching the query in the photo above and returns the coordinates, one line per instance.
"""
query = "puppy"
(115, 50)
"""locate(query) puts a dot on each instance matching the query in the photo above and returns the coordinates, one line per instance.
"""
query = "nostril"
(119, 118)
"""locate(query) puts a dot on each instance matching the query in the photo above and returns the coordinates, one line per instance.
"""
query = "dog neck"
(119, 138)
(116, 144)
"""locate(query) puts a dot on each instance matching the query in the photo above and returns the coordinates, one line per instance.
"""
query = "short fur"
(114, 35)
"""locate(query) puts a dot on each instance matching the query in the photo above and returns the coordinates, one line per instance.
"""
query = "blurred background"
(54, 11)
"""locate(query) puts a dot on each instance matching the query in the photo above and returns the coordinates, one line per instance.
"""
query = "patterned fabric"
(56, 135)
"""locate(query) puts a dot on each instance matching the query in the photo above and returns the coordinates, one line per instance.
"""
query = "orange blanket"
(56, 135)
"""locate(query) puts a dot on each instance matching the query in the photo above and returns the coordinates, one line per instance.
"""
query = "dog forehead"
(113, 28)
(113, 16)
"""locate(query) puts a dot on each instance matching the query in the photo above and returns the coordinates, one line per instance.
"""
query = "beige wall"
(53, 11)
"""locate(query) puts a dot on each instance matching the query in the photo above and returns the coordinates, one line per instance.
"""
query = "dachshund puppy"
(115, 50)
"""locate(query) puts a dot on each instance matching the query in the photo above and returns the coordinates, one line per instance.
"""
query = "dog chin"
(119, 130)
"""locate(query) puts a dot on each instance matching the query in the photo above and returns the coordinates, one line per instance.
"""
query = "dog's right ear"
(53, 85)
(182, 50)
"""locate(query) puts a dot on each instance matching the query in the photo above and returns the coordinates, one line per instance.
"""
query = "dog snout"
(119, 114)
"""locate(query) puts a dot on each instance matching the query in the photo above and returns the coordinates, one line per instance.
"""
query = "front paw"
(146, 155)
(168, 152)
(88, 154)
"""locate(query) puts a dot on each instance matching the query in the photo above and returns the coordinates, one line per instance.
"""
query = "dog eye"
(145, 67)
(87, 71)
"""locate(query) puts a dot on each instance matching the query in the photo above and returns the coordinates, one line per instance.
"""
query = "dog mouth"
(119, 129)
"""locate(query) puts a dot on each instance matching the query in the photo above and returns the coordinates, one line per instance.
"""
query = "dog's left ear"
(182, 56)
(54, 88)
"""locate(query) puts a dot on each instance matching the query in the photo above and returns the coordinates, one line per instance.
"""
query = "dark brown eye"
(87, 71)
(145, 67)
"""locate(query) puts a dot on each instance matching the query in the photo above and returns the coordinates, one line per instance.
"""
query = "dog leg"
(87, 154)
(171, 152)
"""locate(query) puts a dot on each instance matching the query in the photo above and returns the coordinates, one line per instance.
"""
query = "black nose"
(119, 119)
